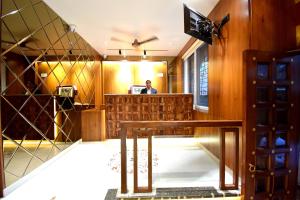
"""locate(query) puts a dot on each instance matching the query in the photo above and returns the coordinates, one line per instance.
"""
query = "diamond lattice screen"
(47, 77)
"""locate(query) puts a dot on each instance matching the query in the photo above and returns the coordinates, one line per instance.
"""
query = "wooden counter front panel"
(147, 108)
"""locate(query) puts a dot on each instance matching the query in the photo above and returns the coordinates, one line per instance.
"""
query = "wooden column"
(123, 161)
(235, 170)
(136, 188)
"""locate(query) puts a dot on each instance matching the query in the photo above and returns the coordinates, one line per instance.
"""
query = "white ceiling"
(97, 21)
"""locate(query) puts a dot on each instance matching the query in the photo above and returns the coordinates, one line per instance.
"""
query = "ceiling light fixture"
(145, 54)
(120, 52)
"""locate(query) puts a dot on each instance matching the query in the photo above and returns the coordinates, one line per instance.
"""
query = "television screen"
(197, 25)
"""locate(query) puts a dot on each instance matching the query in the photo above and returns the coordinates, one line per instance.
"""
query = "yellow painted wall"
(120, 75)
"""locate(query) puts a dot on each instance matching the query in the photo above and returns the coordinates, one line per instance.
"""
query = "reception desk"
(159, 107)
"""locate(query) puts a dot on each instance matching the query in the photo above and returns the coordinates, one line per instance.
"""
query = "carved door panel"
(271, 129)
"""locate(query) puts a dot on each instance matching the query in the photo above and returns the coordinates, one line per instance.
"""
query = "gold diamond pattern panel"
(47, 78)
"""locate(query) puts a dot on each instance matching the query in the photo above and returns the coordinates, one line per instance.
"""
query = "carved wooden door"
(271, 126)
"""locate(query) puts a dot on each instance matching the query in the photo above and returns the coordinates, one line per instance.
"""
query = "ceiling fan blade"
(118, 40)
(148, 40)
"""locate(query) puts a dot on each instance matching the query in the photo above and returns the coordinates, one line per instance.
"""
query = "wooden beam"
(174, 124)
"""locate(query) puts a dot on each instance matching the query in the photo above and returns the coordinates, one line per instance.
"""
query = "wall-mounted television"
(200, 27)
(197, 25)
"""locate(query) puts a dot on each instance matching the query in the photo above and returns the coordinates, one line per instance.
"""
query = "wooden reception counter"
(147, 108)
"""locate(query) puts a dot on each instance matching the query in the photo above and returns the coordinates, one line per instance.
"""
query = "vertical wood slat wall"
(147, 108)
(226, 83)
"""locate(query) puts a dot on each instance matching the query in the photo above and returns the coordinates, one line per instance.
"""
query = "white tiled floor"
(88, 170)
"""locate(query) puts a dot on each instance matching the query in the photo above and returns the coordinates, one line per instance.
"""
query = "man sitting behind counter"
(148, 89)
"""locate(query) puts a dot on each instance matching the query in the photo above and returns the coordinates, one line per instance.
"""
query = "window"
(190, 65)
(196, 76)
(202, 76)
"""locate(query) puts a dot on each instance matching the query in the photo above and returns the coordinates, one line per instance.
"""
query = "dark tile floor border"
(183, 192)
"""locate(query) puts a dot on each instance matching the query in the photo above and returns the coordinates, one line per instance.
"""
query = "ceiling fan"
(136, 43)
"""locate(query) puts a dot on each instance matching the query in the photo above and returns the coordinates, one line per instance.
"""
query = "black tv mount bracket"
(217, 28)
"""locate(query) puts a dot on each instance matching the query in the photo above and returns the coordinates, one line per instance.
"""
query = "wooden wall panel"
(225, 79)
(291, 20)
(225, 70)
(91, 125)
(98, 85)
(255, 24)
(273, 25)
(179, 76)
(119, 76)
(149, 70)
(265, 26)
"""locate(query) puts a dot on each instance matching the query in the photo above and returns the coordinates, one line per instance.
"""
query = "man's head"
(148, 84)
